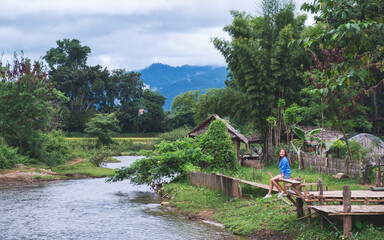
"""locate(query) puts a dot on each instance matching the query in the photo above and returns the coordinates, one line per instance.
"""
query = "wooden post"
(347, 220)
(240, 189)
(299, 207)
(322, 222)
(366, 201)
(321, 193)
(309, 215)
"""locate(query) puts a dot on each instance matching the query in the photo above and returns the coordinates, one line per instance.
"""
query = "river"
(93, 209)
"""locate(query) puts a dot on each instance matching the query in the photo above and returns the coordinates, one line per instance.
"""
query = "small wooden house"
(237, 137)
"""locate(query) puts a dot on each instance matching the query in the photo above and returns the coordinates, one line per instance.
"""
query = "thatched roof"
(255, 138)
(328, 136)
(203, 127)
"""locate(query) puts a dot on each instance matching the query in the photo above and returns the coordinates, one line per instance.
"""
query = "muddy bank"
(20, 177)
(24, 175)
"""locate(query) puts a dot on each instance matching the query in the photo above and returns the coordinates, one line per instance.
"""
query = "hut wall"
(237, 147)
(370, 144)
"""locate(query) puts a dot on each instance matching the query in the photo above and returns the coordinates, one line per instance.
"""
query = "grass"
(124, 135)
(141, 139)
(249, 215)
(50, 178)
(253, 213)
(85, 168)
(310, 176)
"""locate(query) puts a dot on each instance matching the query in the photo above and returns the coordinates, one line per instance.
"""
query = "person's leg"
(278, 186)
(273, 183)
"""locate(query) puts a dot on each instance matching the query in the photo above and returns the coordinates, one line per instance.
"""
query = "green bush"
(211, 151)
(56, 148)
(136, 146)
(103, 126)
(339, 150)
(174, 135)
(9, 156)
(171, 159)
(218, 146)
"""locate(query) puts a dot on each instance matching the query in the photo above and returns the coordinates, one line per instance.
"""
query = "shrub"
(217, 144)
(9, 156)
(56, 148)
(103, 126)
(172, 159)
(176, 134)
(213, 150)
(339, 150)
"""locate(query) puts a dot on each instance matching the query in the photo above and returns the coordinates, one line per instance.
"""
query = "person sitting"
(285, 173)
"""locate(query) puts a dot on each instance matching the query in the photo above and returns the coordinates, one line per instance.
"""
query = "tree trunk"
(266, 156)
(349, 157)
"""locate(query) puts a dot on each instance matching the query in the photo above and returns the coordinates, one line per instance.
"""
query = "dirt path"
(75, 161)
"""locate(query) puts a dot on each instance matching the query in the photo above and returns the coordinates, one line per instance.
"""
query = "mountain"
(172, 81)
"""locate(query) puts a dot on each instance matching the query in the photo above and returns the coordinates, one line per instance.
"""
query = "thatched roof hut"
(237, 137)
(255, 138)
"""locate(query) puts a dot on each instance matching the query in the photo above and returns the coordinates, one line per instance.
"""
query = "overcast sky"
(129, 34)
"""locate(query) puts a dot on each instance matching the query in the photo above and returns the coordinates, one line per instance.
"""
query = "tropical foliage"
(348, 62)
(212, 151)
(262, 66)
(103, 126)
(27, 102)
(93, 89)
(9, 156)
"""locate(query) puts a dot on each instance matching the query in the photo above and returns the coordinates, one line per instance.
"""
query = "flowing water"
(93, 209)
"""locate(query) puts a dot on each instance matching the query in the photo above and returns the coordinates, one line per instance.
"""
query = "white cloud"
(128, 34)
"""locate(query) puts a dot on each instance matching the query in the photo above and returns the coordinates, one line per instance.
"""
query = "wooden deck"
(355, 194)
(338, 210)
(298, 195)
(365, 196)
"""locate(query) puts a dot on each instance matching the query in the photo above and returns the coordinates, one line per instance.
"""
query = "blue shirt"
(284, 166)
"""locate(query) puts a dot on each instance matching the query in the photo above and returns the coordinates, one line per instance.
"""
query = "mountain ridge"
(171, 81)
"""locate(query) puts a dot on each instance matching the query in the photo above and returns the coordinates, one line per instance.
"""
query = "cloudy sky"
(129, 34)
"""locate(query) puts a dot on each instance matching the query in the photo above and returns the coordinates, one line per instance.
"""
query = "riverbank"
(75, 169)
(258, 218)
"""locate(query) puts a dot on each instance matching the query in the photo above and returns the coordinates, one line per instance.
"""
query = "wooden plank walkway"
(338, 210)
(346, 211)
(255, 184)
(259, 185)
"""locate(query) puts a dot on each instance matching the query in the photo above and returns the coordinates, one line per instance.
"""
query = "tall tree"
(81, 83)
(103, 126)
(351, 64)
(153, 117)
(183, 109)
(27, 98)
(130, 90)
(260, 64)
(226, 102)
